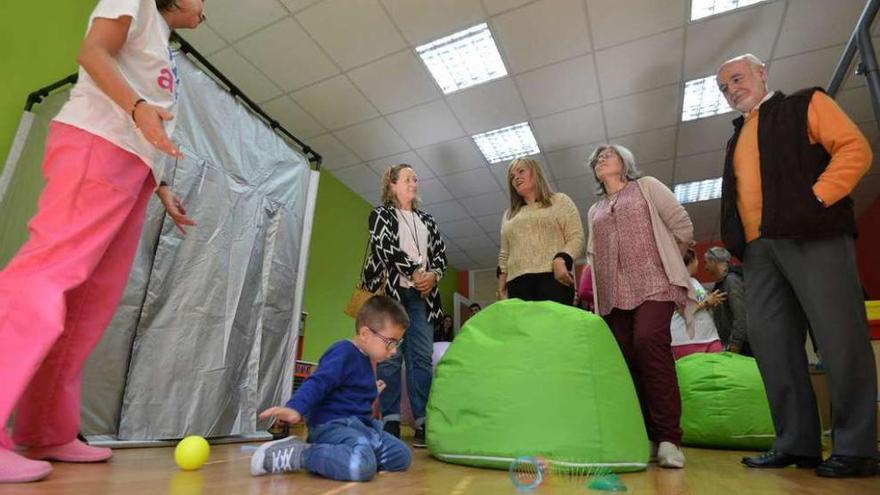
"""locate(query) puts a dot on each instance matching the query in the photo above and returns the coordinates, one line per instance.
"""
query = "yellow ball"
(191, 453)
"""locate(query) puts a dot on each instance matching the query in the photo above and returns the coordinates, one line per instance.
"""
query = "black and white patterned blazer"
(387, 261)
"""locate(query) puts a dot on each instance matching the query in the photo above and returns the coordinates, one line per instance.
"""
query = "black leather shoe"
(844, 466)
(776, 459)
(392, 428)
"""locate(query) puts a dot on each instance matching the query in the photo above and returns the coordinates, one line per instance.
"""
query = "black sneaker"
(392, 428)
(419, 438)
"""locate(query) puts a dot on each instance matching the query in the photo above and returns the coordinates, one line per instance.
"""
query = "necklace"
(412, 231)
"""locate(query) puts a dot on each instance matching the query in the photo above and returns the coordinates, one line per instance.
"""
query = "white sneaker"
(669, 455)
(653, 450)
(279, 456)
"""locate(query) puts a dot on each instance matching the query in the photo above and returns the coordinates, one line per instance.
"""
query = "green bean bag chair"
(535, 379)
(723, 402)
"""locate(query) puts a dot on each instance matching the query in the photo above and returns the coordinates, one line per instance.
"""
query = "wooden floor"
(152, 471)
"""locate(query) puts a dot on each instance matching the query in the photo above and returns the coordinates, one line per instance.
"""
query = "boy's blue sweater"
(342, 386)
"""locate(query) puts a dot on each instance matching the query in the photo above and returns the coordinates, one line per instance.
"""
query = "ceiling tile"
(698, 167)
(542, 32)
(492, 223)
(238, 70)
(371, 197)
(644, 111)
(497, 6)
(270, 51)
(856, 103)
(641, 65)
(293, 117)
(570, 128)
(715, 40)
(408, 157)
(454, 156)
(421, 21)
(433, 191)
(493, 203)
(661, 171)
(478, 242)
(233, 19)
(704, 210)
(204, 39)
(619, 21)
(372, 139)
(811, 24)
(395, 82)
(650, 146)
(581, 189)
(470, 183)
(462, 228)
(352, 33)
(336, 103)
(805, 70)
(570, 162)
(297, 5)
(488, 106)
(561, 86)
(426, 124)
(335, 155)
(447, 212)
(359, 178)
(707, 134)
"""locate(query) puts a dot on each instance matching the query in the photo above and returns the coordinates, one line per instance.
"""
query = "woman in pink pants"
(103, 160)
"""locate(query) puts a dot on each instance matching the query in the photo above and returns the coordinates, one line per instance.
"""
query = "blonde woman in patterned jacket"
(408, 256)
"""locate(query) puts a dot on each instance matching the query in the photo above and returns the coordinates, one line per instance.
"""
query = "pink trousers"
(59, 292)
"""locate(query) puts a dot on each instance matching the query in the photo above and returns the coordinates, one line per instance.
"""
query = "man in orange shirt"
(785, 212)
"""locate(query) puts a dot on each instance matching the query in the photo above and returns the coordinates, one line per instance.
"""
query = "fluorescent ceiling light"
(707, 8)
(463, 59)
(702, 98)
(507, 143)
(701, 190)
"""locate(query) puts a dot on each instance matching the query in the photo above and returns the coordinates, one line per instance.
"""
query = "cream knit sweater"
(531, 239)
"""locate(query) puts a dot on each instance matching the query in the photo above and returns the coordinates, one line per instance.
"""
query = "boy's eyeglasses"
(390, 343)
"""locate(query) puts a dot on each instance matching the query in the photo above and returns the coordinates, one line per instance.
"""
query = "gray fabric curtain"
(204, 335)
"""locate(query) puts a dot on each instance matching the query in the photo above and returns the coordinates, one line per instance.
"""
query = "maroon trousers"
(644, 339)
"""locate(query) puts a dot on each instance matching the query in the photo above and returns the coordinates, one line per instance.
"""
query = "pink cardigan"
(673, 234)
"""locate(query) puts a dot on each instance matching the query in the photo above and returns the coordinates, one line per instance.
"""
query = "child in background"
(705, 334)
(345, 443)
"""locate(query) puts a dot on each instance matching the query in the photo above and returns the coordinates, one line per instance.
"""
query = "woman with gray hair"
(637, 234)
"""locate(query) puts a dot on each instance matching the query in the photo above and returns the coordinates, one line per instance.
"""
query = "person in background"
(728, 301)
(705, 337)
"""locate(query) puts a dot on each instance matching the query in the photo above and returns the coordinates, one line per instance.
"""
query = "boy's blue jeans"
(354, 449)
(417, 348)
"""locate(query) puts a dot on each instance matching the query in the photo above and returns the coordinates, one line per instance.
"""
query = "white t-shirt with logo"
(147, 64)
(704, 325)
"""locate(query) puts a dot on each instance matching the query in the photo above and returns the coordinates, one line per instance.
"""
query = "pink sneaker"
(74, 451)
(17, 469)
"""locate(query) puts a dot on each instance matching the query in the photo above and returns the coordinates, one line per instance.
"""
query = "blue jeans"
(417, 348)
(354, 449)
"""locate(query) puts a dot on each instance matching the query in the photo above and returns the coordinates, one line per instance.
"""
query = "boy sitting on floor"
(345, 443)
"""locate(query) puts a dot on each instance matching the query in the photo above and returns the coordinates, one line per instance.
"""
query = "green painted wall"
(38, 45)
(339, 238)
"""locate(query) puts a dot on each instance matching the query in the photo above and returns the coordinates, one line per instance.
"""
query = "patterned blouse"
(628, 265)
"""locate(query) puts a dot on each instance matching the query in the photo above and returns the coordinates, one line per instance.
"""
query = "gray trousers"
(789, 284)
